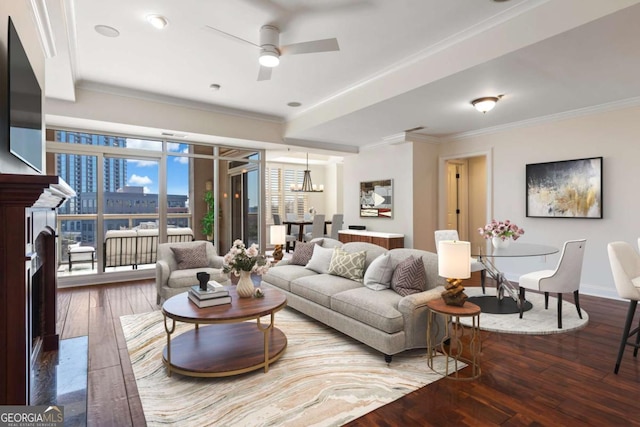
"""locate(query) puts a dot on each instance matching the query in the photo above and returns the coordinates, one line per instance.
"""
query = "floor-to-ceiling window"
(126, 184)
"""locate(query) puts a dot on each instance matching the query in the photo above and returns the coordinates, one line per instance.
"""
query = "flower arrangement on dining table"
(240, 258)
(501, 229)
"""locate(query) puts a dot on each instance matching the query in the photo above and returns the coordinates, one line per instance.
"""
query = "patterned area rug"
(536, 321)
(324, 378)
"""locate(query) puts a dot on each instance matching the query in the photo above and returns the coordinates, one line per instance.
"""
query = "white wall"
(385, 162)
(613, 135)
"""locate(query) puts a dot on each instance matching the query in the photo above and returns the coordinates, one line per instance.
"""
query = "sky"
(144, 173)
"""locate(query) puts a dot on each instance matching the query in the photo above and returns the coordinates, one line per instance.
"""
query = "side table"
(454, 335)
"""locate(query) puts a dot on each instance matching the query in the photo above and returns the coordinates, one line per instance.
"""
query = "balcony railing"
(73, 229)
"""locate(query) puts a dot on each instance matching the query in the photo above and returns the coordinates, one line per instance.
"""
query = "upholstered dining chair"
(290, 238)
(336, 224)
(565, 278)
(625, 266)
(475, 264)
(318, 228)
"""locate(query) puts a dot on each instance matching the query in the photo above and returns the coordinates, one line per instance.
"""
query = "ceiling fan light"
(485, 104)
(269, 58)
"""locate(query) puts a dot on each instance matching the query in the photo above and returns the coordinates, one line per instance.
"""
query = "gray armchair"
(170, 280)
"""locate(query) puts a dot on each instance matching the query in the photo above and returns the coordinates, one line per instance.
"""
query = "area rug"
(536, 321)
(324, 378)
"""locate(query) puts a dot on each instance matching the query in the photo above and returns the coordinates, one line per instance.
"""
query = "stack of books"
(215, 294)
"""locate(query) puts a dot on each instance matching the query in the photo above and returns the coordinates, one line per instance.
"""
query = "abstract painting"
(376, 199)
(565, 189)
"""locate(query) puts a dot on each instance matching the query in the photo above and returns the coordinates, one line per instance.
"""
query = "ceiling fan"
(270, 49)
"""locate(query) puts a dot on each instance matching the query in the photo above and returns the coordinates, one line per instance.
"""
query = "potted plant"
(208, 220)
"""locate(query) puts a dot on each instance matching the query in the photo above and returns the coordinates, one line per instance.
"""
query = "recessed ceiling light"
(157, 21)
(106, 31)
(294, 104)
(214, 87)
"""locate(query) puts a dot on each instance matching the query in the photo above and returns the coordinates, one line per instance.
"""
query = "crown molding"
(586, 111)
(43, 27)
(154, 97)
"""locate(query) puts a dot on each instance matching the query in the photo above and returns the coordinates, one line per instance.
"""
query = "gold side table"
(454, 335)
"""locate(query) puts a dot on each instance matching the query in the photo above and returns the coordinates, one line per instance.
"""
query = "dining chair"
(336, 225)
(475, 264)
(290, 238)
(318, 228)
(295, 229)
(565, 278)
(625, 266)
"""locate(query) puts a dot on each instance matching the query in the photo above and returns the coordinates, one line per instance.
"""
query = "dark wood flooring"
(549, 380)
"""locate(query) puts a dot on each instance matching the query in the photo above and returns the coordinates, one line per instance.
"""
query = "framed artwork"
(565, 189)
(376, 199)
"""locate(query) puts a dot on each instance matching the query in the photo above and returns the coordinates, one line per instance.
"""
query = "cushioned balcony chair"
(565, 278)
(290, 237)
(178, 264)
(625, 266)
(475, 264)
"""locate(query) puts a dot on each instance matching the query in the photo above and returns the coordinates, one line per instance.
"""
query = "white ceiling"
(401, 64)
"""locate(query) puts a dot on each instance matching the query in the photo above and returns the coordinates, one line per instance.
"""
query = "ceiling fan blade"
(224, 33)
(264, 74)
(326, 45)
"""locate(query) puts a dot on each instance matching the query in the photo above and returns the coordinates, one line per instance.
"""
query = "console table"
(386, 240)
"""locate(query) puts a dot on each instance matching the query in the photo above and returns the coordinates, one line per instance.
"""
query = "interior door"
(458, 198)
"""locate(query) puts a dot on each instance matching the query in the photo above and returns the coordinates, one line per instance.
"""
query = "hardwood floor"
(561, 379)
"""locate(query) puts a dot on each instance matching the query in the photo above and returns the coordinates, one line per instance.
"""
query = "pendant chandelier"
(307, 186)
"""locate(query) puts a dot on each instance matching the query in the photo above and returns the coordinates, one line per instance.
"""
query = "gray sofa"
(383, 320)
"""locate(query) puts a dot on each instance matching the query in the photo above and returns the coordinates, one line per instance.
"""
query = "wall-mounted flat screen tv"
(25, 105)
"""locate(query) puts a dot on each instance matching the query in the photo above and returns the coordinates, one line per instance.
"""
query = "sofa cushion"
(347, 265)
(320, 259)
(409, 277)
(378, 275)
(376, 309)
(320, 287)
(302, 253)
(282, 275)
(191, 257)
(186, 278)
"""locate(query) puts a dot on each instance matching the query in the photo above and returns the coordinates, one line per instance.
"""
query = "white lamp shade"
(454, 259)
(278, 234)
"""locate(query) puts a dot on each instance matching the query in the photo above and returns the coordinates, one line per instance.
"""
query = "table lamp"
(278, 238)
(454, 263)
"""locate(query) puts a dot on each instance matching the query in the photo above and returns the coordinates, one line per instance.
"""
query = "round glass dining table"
(486, 253)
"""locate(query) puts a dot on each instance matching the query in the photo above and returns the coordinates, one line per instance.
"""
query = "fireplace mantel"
(20, 197)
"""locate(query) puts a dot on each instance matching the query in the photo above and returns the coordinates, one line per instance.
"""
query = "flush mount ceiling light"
(106, 31)
(157, 21)
(485, 104)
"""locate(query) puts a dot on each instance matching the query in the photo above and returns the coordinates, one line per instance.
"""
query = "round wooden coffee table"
(230, 345)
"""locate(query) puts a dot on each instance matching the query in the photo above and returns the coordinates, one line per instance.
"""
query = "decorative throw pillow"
(409, 277)
(191, 257)
(320, 259)
(303, 252)
(378, 275)
(347, 265)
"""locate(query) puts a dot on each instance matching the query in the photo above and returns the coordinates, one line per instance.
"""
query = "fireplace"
(28, 284)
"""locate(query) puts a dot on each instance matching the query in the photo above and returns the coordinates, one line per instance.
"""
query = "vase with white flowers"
(501, 232)
(242, 261)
